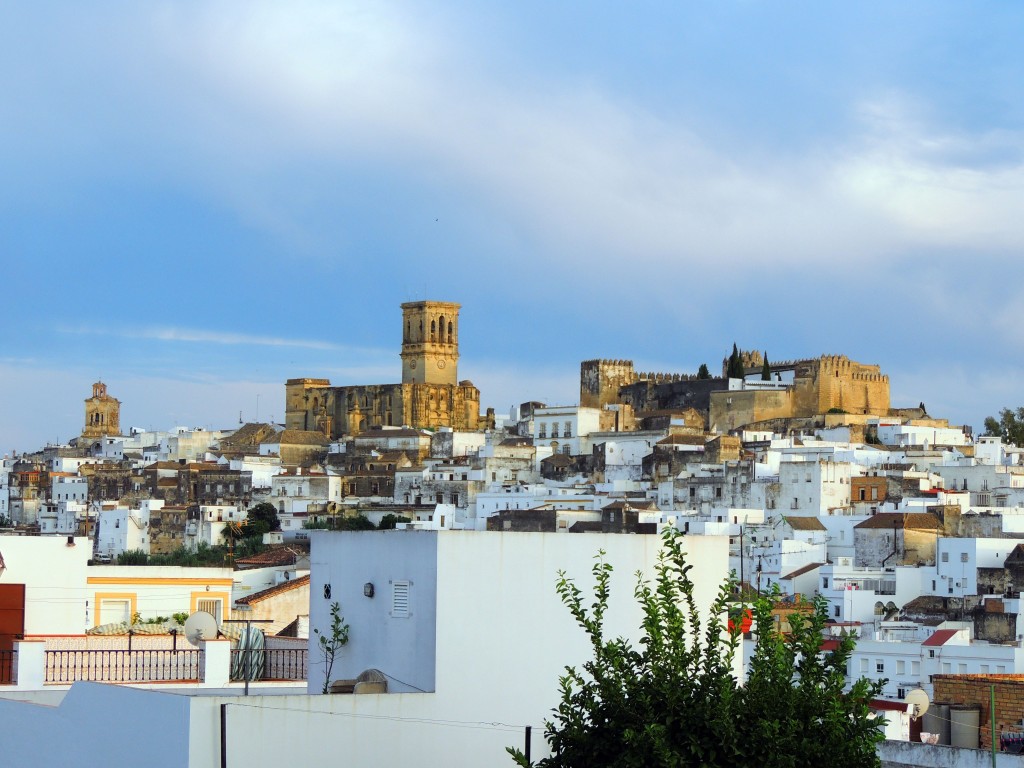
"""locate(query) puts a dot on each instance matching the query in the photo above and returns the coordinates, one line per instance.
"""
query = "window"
(901, 668)
(931, 653)
(946, 668)
(212, 607)
(863, 665)
(945, 557)
(115, 610)
(1000, 670)
(984, 669)
(961, 669)
(915, 667)
(901, 693)
(824, 582)
(880, 667)
(400, 598)
(835, 611)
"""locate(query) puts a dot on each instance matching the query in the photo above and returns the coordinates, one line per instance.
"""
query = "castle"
(821, 385)
(429, 396)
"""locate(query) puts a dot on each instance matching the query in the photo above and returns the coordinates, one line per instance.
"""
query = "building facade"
(430, 395)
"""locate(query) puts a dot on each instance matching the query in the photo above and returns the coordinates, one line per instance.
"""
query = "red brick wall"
(976, 689)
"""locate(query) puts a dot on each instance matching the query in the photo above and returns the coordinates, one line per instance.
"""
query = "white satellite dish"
(918, 701)
(200, 626)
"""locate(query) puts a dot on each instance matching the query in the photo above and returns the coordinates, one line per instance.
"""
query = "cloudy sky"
(200, 200)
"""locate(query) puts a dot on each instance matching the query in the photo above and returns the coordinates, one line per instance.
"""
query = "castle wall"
(601, 380)
(733, 409)
(836, 382)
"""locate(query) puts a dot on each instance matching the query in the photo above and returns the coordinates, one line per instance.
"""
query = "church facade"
(429, 396)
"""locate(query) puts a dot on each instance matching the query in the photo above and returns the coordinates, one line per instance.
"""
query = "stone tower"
(102, 413)
(430, 342)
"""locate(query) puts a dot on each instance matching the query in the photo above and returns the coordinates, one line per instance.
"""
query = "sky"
(200, 200)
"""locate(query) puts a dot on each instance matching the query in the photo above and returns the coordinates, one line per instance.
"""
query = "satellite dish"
(200, 626)
(918, 701)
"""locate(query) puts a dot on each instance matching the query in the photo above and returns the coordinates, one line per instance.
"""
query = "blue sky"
(200, 200)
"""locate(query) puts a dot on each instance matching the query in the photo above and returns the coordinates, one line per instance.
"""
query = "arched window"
(450, 334)
(440, 325)
(433, 330)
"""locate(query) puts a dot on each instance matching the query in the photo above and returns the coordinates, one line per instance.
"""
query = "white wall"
(54, 577)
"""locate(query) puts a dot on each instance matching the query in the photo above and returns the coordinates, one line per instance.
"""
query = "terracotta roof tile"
(277, 589)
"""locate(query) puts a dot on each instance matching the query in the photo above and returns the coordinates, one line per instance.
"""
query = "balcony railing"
(278, 663)
(123, 666)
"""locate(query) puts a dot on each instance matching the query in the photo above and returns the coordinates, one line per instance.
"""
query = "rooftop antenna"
(200, 626)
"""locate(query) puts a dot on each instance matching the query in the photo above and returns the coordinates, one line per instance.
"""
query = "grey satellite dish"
(200, 626)
(918, 701)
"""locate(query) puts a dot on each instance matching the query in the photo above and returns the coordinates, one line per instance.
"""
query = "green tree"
(262, 518)
(356, 523)
(1009, 426)
(332, 641)
(766, 370)
(703, 372)
(673, 700)
(735, 369)
(389, 521)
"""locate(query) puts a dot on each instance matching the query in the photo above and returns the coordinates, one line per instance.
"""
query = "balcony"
(38, 664)
(123, 666)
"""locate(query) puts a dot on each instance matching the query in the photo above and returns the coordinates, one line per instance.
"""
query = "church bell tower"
(430, 342)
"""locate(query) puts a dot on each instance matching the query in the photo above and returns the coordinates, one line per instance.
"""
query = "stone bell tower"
(102, 413)
(430, 342)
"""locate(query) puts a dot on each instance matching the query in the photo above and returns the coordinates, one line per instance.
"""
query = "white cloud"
(192, 335)
(234, 97)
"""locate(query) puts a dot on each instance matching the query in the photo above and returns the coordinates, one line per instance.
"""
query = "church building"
(429, 396)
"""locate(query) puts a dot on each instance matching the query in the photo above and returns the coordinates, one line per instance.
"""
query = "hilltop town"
(438, 527)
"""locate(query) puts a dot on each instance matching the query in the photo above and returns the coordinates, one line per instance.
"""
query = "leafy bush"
(674, 700)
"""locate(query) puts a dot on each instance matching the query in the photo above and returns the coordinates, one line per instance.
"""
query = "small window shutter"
(400, 600)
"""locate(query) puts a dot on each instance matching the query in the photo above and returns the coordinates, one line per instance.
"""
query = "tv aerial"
(200, 626)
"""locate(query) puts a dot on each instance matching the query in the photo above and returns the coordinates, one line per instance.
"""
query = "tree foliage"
(703, 372)
(766, 369)
(262, 518)
(1009, 426)
(390, 521)
(673, 700)
(332, 641)
(734, 369)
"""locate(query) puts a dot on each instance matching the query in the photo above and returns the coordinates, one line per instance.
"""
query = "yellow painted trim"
(131, 597)
(224, 597)
(150, 580)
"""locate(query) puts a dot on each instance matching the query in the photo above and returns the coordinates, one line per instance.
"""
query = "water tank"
(963, 725)
(936, 720)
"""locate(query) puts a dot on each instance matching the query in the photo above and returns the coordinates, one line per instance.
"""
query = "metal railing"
(278, 663)
(8, 667)
(123, 666)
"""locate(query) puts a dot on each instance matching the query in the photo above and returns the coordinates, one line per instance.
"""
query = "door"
(12, 626)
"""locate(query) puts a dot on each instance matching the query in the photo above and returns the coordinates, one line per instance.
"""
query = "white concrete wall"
(138, 728)
(502, 640)
(54, 577)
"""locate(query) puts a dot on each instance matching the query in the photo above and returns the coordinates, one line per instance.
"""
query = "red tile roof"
(255, 597)
(940, 637)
